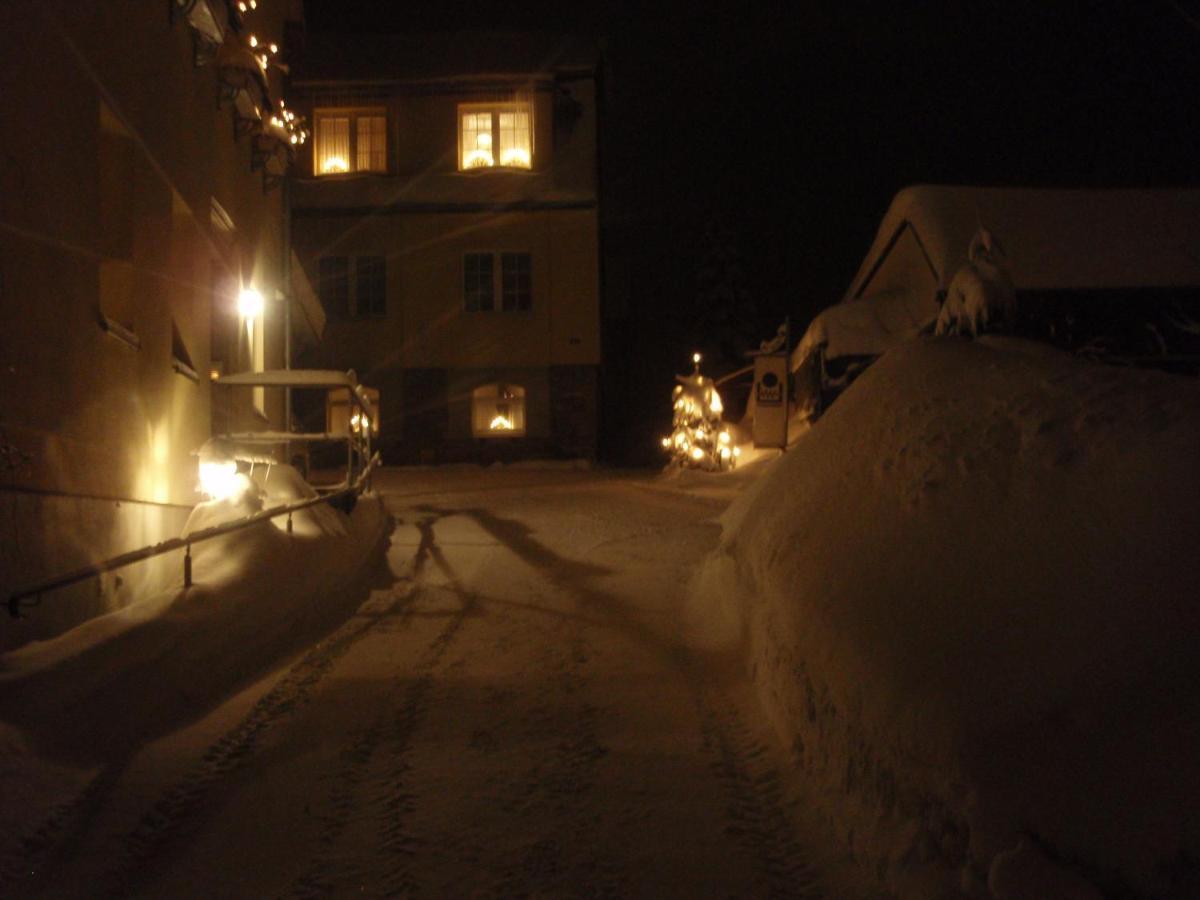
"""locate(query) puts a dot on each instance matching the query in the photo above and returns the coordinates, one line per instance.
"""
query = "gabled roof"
(414, 58)
(1053, 239)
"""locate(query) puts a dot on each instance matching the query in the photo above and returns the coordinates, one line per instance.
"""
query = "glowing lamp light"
(724, 437)
(697, 454)
(483, 141)
(219, 479)
(501, 423)
(334, 164)
(249, 303)
(696, 358)
(666, 442)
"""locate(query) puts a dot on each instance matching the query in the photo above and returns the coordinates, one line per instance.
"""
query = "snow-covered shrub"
(981, 297)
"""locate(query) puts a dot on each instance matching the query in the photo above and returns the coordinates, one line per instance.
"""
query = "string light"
(698, 438)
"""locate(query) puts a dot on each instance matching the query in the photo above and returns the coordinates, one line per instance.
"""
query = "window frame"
(352, 115)
(499, 282)
(494, 110)
(348, 306)
(513, 398)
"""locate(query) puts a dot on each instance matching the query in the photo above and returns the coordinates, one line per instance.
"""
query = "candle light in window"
(334, 164)
(515, 156)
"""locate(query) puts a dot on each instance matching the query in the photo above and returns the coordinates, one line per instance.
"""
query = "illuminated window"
(495, 135)
(349, 141)
(485, 279)
(498, 410)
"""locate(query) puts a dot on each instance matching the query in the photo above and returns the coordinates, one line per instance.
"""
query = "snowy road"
(512, 712)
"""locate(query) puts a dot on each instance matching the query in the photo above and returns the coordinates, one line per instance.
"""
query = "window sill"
(495, 170)
(348, 176)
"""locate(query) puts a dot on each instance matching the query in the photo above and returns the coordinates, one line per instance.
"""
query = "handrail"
(185, 543)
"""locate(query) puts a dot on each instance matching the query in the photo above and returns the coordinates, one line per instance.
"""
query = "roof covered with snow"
(1053, 238)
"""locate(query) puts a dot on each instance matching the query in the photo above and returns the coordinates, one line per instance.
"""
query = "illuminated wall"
(446, 200)
(114, 282)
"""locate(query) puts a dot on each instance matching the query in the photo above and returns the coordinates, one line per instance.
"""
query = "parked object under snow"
(968, 596)
(1107, 274)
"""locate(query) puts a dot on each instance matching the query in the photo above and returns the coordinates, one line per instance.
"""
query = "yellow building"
(446, 209)
(139, 197)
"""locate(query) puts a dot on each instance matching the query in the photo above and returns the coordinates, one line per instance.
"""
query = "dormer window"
(495, 135)
(352, 140)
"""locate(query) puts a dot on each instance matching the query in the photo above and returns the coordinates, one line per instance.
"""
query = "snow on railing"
(16, 598)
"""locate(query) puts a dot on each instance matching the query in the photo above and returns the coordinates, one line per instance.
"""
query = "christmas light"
(698, 438)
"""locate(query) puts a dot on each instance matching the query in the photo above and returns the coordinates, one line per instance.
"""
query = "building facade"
(446, 210)
(141, 200)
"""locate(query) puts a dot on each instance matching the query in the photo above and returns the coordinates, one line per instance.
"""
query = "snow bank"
(99, 691)
(968, 599)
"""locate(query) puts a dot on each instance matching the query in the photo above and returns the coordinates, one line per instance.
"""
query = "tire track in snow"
(333, 867)
(179, 810)
(756, 813)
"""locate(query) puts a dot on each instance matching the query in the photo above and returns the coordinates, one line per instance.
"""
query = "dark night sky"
(791, 126)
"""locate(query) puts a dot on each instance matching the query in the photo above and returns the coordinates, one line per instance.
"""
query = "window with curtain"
(495, 135)
(349, 141)
(498, 411)
(372, 149)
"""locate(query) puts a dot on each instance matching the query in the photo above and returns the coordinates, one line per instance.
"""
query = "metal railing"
(16, 598)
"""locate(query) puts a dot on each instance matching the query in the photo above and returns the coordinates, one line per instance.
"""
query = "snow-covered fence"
(17, 599)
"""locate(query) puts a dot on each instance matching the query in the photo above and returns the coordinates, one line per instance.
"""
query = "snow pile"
(968, 599)
(102, 689)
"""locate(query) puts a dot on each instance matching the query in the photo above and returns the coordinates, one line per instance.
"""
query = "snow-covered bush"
(981, 297)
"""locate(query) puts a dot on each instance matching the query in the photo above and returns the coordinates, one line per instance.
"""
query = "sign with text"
(770, 400)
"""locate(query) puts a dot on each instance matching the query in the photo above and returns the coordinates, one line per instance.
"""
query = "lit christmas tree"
(698, 438)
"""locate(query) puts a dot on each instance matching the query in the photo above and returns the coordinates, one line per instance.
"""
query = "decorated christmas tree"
(698, 438)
